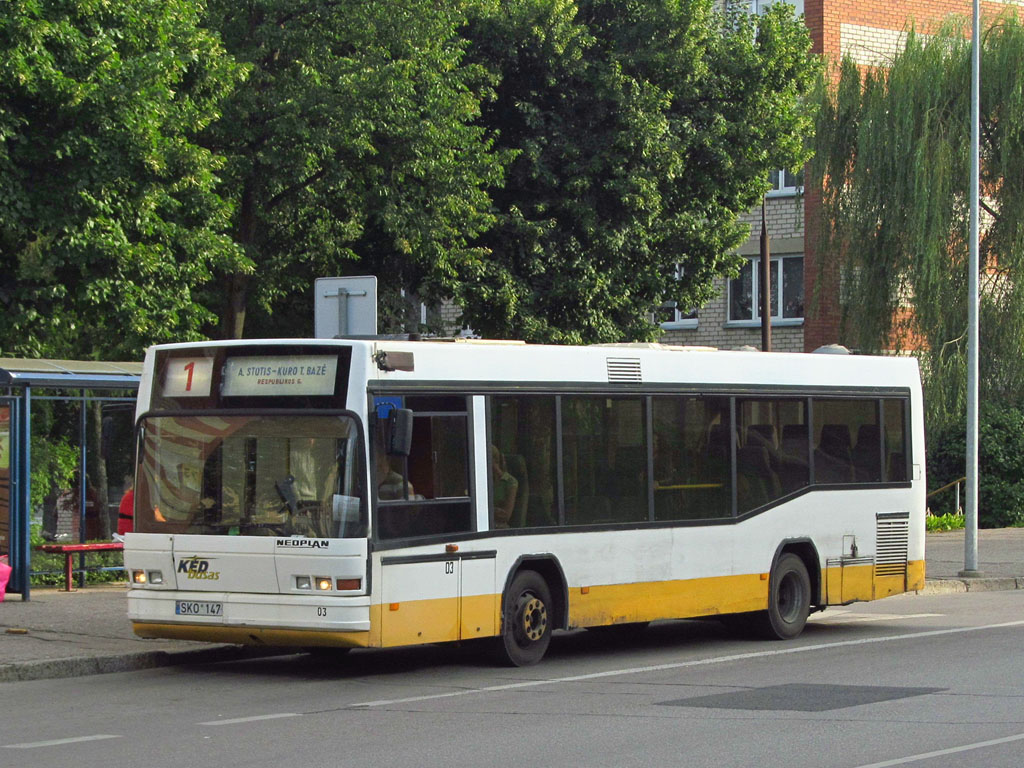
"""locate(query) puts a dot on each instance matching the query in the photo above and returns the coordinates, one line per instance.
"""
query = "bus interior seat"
(832, 461)
(757, 483)
(867, 454)
(763, 434)
(794, 470)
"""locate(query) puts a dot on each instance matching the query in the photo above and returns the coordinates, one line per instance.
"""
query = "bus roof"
(494, 361)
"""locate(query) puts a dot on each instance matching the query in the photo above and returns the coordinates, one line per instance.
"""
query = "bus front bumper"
(251, 619)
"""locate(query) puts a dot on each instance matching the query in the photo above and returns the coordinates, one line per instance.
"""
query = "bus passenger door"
(420, 599)
(478, 602)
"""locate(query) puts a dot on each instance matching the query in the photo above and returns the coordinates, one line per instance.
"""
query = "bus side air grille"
(892, 535)
(624, 369)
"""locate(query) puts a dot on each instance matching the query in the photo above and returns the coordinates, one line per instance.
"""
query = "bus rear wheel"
(526, 620)
(789, 600)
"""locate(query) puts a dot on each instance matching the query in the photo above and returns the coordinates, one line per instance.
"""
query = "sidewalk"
(62, 634)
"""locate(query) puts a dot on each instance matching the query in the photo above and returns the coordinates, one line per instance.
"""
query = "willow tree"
(892, 159)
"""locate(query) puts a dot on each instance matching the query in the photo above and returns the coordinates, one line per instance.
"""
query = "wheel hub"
(534, 619)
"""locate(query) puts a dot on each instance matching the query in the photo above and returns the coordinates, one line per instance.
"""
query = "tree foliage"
(640, 133)
(349, 150)
(892, 157)
(108, 218)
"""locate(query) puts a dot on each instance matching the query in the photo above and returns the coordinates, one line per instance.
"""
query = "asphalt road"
(926, 681)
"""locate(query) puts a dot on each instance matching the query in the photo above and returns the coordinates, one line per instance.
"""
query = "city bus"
(372, 493)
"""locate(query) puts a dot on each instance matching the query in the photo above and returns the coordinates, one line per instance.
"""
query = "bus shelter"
(38, 399)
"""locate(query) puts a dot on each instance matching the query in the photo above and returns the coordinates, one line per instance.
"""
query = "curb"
(128, 662)
(975, 584)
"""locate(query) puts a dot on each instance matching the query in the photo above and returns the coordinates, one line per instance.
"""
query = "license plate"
(197, 608)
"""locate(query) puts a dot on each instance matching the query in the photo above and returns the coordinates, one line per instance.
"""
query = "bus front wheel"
(789, 600)
(526, 620)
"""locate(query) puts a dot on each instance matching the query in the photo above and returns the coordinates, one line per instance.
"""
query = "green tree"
(640, 132)
(349, 150)
(892, 158)
(108, 218)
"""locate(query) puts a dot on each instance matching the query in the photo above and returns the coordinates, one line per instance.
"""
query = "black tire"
(789, 600)
(526, 620)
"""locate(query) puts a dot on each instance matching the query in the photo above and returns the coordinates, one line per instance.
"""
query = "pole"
(971, 516)
(766, 282)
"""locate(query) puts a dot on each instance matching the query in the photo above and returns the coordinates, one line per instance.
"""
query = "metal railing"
(957, 509)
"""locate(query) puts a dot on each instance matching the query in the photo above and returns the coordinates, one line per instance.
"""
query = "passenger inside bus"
(389, 481)
(505, 489)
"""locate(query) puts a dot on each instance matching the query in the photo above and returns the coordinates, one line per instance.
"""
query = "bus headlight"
(138, 577)
(155, 577)
(303, 582)
(323, 583)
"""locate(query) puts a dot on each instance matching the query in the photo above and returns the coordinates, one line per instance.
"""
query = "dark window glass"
(840, 426)
(604, 460)
(741, 294)
(772, 452)
(745, 291)
(792, 288)
(427, 492)
(522, 462)
(691, 458)
(894, 413)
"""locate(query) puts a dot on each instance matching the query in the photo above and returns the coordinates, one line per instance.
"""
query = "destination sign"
(279, 375)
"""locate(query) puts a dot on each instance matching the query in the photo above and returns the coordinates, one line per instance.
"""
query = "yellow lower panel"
(621, 603)
(479, 616)
(915, 575)
(419, 621)
(859, 583)
(251, 635)
(889, 585)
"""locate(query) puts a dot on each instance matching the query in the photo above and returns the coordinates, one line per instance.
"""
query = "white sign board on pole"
(345, 306)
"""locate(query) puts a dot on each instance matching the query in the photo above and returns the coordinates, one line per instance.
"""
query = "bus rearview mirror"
(401, 432)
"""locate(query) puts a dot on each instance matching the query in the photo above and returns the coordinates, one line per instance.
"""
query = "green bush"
(950, 522)
(1000, 460)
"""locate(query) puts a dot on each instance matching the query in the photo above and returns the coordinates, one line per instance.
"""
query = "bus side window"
(425, 492)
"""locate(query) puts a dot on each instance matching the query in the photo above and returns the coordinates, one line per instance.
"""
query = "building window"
(787, 283)
(671, 317)
(786, 183)
(760, 6)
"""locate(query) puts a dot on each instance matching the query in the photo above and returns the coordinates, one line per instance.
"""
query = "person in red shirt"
(126, 509)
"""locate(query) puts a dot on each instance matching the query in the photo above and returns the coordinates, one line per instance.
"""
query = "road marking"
(252, 719)
(56, 742)
(684, 664)
(863, 618)
(941, 752)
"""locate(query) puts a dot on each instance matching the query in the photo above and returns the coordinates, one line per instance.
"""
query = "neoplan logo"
(303, 543)
(194, 568)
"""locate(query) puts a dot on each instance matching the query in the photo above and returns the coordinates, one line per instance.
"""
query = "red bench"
(70, 550)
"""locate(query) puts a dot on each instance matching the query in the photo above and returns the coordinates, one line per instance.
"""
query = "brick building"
(870, 31)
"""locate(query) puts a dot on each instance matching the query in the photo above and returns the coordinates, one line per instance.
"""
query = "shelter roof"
(73, 374)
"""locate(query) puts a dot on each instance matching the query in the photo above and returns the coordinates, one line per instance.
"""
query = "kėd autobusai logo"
(196, 568)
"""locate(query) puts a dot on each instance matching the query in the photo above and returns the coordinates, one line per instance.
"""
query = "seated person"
(389, 481)
(505, 489)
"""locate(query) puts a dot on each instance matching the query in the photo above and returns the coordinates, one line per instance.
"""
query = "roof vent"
(624, 369)
(832, 349)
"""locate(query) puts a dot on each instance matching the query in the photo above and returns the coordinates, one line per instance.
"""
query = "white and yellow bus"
(380, 493)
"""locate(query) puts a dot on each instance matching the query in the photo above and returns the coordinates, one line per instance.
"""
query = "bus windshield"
(269, 475)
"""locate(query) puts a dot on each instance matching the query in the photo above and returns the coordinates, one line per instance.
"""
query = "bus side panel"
(419, 602)
(649, 601)
(478, 604)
